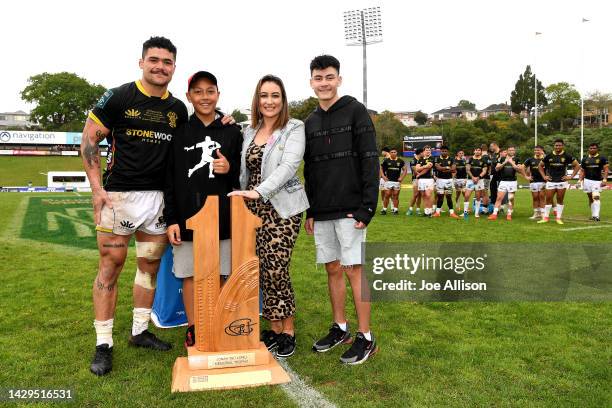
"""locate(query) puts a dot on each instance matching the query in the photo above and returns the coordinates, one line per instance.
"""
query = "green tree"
(420, 118)
(389, 130)
(301, 109)
(522, 98)
(565, 104)
(62, 100)
(239, 116)
(465, 104)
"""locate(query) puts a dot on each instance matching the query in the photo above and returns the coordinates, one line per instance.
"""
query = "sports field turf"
(432, 354)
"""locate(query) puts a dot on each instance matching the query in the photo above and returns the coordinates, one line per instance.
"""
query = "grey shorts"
(339, 240)
(183, 258)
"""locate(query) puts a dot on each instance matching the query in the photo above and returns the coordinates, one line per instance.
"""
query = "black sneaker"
(190, 336)
(286, 345)
(360, 351)
(335, 336)
(596, 219)
(383, 211)
(270, 339)
(147, 339)
(102, 362)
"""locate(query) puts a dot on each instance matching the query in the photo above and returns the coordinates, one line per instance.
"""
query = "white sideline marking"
(301, 393)
(584, 228)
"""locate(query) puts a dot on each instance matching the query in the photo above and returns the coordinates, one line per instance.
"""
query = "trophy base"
(185, 379)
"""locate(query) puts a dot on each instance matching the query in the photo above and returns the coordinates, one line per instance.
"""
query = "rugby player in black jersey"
(593, 176)
(477, 170)
(138, 119)
(445, 166)
(507, 166)
(416, 194)
(536, 182)
(553, 169)
(424, 170)
(460, 177)
(392, 171)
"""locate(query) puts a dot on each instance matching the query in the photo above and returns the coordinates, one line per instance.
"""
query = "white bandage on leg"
(151, 251)
(104, 332)
(140, 322)
(145, 280)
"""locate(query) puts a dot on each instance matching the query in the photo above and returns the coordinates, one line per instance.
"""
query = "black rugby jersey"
(142, 127)
(533, 164)
(461, 172)
(392, 169)
(476, 166)
(413, 164)
(593, 166)
(444, 162)
(555, 165)
(507, 172)
(423, 162)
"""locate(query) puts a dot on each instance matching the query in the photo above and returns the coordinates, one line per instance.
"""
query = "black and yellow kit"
(555, 165)
(532, 163)
(423, 162)
(593, 166)
(392, 169)
(507, 171)
(413, 164)
(460, 169)
(476, 166)
(142, 127)
(444, 162)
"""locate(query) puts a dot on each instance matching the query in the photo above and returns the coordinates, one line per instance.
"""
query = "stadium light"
(363, 27)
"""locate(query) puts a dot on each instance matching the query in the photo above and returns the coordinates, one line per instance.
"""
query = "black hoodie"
(185, 195)
(341, 167)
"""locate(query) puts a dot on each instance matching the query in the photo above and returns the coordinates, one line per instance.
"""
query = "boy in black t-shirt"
(593, 175)
(392, 171)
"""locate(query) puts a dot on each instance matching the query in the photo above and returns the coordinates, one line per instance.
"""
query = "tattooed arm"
(93, 134)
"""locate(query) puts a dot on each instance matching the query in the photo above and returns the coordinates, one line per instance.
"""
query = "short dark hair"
(418, 151)
(539, 147)
(391, 149)
(444, 147)
(158, 42)
(324, 61)
(559, 141)
(594, 144)
(460, 150)
(386, 149)
(426, 147)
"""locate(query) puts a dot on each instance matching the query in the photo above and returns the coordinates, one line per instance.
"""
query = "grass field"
(432, 354)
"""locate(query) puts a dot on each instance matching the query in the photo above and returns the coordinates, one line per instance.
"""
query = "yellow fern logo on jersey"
(172, 117)
(132, 113)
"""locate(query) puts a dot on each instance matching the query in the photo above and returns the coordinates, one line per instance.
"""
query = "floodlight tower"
(363, 27)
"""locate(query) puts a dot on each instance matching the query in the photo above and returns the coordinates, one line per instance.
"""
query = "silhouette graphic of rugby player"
(208, 147)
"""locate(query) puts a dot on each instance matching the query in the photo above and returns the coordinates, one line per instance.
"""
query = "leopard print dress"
(274, 244)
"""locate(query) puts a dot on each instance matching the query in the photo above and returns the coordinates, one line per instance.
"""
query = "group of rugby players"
(493, 169)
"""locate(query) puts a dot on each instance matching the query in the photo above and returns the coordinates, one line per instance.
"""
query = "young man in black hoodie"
(341, 172)
(204, 160)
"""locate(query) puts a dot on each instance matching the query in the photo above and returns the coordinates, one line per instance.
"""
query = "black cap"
(199, 75)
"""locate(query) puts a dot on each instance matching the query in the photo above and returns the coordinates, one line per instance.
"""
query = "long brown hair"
(256, 115)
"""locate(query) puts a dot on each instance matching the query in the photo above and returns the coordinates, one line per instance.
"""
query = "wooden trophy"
(227, 353)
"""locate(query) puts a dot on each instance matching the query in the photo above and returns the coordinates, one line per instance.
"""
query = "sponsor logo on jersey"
(149, 134)
(132, 113)
(104, 99)
(172, 117)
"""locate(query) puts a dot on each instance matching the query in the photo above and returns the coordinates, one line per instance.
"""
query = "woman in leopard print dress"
(272, 150)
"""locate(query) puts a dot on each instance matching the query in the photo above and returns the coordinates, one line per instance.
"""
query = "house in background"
(19, 119)
(407, 118)
(495, 109)
(455, 112)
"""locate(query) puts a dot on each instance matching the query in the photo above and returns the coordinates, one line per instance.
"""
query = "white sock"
(104, 332)
(477, 207)
(595, 207)
(394, 208)
(342, 326)
(535, 211)
(541, 210)
(559, 211)
(509, 211)
(495, 210)
(427, 210)
(547, 209)
(368, 336)
(452, 211)
(466, 206)
(410, 208)
(140, 321)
